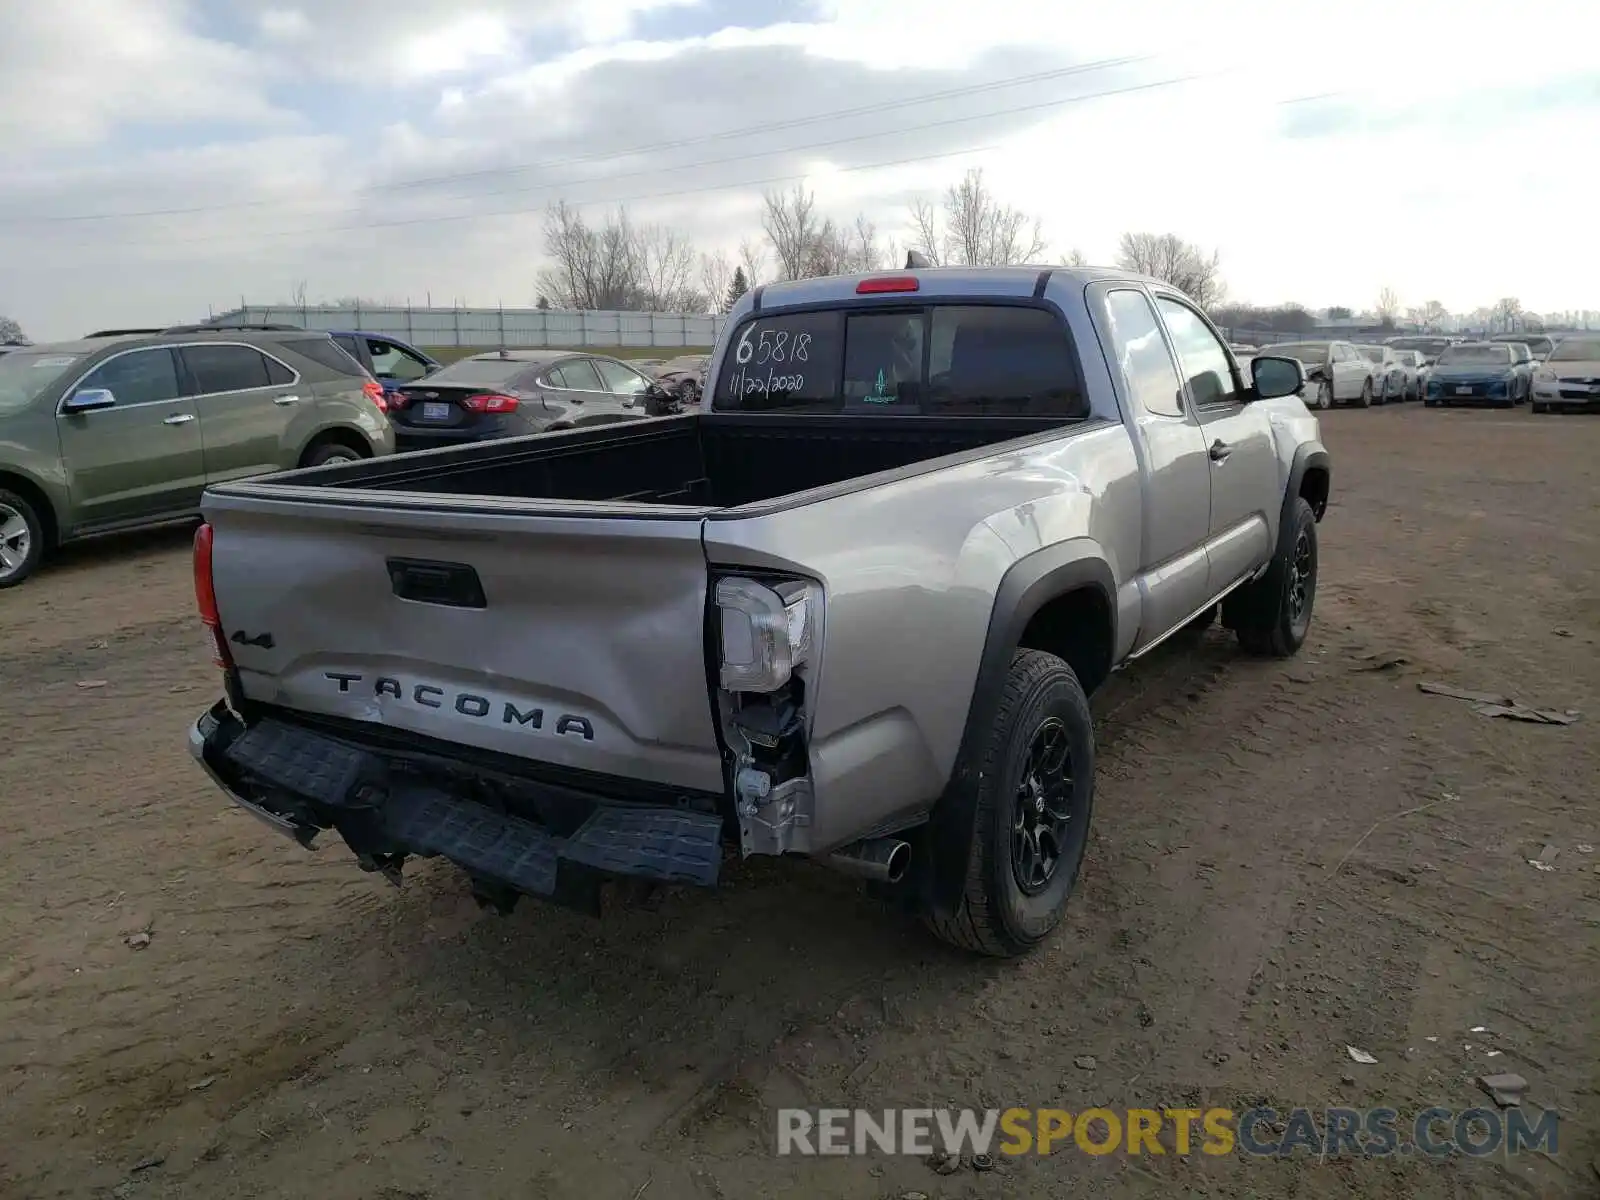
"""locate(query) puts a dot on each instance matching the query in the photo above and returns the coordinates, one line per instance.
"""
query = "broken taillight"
(205, 597)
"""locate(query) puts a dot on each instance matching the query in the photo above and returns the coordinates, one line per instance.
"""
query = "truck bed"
(717, 460)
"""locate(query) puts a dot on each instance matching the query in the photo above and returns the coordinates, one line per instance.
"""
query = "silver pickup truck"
(851, 608)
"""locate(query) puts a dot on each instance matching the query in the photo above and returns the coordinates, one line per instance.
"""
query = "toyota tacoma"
(851, 608)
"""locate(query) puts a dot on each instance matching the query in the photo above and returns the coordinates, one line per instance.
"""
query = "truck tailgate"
(574, 639)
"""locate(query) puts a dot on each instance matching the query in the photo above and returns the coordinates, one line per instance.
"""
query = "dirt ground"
(1264, 888)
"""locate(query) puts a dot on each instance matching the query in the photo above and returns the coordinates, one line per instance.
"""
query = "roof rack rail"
(232, 327)
(99, 333)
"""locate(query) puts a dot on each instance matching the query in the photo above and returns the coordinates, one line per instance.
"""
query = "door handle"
(286, 400)
(180, 419)
(1219, 450)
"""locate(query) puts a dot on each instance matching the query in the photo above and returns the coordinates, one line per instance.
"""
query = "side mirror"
(89, 400)
(1274, 377)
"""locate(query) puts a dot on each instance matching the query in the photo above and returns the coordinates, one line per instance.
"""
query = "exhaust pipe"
(883, 860)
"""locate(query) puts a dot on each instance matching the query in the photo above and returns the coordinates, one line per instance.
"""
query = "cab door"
(1174, 570)
(138, 457)
(1245, 491)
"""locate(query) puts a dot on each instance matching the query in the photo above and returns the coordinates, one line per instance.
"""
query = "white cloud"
(1429, 166)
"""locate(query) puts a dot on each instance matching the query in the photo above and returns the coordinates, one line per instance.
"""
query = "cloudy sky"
(163, 156)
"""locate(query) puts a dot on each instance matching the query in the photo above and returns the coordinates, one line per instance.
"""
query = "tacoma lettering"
(468, 704)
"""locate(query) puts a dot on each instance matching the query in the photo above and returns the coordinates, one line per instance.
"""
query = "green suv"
(118, 431)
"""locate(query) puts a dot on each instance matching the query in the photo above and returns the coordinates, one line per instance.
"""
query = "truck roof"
(942, 281)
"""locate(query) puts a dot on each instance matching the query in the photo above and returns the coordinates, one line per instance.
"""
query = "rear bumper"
(301, 783)
(408, 437)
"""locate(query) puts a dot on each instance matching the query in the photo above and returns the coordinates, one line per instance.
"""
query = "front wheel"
(1273, 615)
(1035, 793)
(1366, 395)
(21, 539)
(1325, 395)
(1539, 406)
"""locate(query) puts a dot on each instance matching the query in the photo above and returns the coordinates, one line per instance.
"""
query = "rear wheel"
(21, 539)
(1035, 792)
(323, 453)
(1325, 394)
(1366, 395)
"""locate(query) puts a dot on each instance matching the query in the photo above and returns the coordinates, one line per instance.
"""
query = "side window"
(579, 375)
(388, 359)
(620, 380)
(1141, 352)
(349, 345)
(1341, 354)
(277, 373)
(998, 360)
(225, 368)
(140, 377)
(1205, 360)
(883, 361)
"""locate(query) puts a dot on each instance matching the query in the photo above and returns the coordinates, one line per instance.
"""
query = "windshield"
(25, 374)
(1567, 350)
(1372, 353)
(1475, 356)
(1424, 345)
(478, 372)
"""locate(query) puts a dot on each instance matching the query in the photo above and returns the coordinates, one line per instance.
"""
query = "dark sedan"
(1477, 373)
(510, 393)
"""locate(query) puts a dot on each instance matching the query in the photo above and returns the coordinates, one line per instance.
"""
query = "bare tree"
(716, 276)
(753, 260)
(1388, 306)
(926, 238)
(297, 294)
(11, 332)
(791, 225)
(1167, 257)
(1508, 313)
(663, 270)
(976, 230)
(1074, 258)
(1433, 313)
(593, 268)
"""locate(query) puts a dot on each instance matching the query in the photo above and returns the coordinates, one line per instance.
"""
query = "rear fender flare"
(1027, 586)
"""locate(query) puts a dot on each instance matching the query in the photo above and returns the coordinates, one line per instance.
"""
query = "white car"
(1337, 371)
(1415, 365)
(1570, 376)
(1388, 376)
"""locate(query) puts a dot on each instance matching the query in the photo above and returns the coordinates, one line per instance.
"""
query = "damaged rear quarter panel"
(910, 572)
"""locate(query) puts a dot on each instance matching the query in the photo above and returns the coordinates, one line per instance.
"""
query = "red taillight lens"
(887, 283)
(490, 402)
(374, 392)
(205, 597)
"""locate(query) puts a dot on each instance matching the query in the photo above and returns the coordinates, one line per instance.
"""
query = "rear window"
(970, 360)
(1487, 355)
(481, 372)
(323, 352)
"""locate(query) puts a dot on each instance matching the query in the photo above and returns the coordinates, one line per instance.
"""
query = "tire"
(21, 539)
(1383, 395)
(331, 452)
(1265, 615)
(1007, 908)
(1325, 394)
(1430, 402)
(1539, 406)
(1366, 395)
